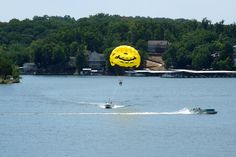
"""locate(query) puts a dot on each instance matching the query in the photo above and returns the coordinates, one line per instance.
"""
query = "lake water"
(63, 116)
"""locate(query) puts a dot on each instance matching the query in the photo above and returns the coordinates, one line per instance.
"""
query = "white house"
(96, 60)
(157, 46)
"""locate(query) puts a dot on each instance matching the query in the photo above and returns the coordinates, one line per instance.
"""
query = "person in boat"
(120, 82)
(109, 102)
(197, 109)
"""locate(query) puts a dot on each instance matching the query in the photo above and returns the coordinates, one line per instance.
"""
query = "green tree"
(73, 48)
(81, 60)
(201, 58)
(170, 57)
(5, 67)
(15, 72)
(225, 59)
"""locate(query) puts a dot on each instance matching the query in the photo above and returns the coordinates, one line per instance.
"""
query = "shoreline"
(9, 81)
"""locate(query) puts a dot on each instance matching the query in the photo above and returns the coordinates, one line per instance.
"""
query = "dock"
(183, 73)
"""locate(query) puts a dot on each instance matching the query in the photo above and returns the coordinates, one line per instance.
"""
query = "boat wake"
(100, 104)
(183, 111)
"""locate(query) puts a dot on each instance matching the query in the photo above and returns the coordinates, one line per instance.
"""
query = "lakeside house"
(96, 61)
(28, 68)
(157, 47)
(96, 64)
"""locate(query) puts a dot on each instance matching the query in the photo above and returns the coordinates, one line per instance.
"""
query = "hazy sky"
(214, 10)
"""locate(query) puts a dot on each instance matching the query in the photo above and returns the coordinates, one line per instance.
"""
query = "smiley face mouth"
(125, 59)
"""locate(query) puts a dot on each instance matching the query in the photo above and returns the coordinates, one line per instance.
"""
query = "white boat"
(108, 105)
(203, 111)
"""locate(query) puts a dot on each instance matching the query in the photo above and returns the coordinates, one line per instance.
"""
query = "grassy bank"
(9, 81)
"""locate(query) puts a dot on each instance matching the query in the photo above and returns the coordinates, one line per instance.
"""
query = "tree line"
(50, 41)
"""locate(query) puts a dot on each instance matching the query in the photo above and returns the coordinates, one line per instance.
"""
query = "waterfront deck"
(183, 73)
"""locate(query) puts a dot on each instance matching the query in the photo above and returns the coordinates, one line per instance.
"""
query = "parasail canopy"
(125, 56)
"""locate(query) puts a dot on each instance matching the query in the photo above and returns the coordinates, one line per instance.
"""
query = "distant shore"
(9, 81)
(174, 73)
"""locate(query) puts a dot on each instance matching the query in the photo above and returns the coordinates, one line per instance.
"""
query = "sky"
(214, 10)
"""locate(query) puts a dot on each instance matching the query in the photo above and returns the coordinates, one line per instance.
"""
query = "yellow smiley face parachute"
(125, 56)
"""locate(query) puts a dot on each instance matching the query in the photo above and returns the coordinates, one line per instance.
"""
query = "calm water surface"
(63, 116)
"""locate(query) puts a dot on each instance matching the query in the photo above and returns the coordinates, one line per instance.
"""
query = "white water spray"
(183, 111)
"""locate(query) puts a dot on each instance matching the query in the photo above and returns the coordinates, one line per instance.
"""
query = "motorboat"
(203, 111)
(108, 105)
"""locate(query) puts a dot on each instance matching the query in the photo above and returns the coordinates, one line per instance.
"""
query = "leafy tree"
(107, 53)
(201, 58)
(225, 59)
(73, 48)
(15, 72)
(81, 60)
(170, 57)
(5, 67)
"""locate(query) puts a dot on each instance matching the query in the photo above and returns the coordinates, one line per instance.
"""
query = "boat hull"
(108, 106)
(203, 111)
(209, 111)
